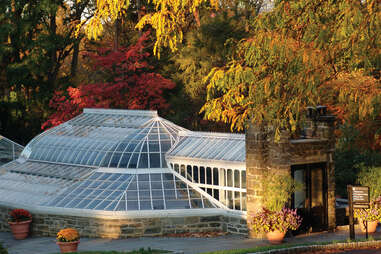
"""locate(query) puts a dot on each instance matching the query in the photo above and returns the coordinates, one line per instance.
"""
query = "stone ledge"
(333, 246)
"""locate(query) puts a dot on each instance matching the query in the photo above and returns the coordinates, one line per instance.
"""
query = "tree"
(128, 82)
(302, 53)
(36, 39)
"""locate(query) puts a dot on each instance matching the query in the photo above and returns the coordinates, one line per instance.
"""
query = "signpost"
(358, 197)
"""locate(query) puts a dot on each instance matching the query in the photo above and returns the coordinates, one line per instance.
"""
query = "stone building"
(308, 159)
(130, 173)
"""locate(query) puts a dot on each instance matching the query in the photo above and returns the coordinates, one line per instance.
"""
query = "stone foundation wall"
(49, 225)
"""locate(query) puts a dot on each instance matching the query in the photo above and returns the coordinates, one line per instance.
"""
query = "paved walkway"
(46, 245)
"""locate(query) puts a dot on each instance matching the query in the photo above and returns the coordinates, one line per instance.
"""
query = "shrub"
(278, 189)
(3, 250)
(371, 177)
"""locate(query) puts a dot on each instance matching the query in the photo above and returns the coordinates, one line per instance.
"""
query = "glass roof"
(49, 170)
(107, 138)
(210, 146)
(9, 150)
(127, 192)
(113, 160)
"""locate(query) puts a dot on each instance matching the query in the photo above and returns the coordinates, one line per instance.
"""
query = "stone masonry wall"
(49, 225)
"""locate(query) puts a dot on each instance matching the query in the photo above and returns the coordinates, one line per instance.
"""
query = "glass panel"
(121, 206)
(244, 201)
(177, 204)
(133, 160)
(132, 205)
(196, 203)
(145, 205)
(202, 175)
(115, 160)
(195, 174)
(153, 146)
(177, 168)
(222, 177)
(143, 161)
(230, 177)
(237, 200)
(157, 194)
(143, 177)
(155, 177)
(215, 176)
(243, 176)
(189, 173)
(158, 204)
(182, 170)
(156, 185)
(124, 161)
(236, 179)
(208, 175)
(154, 160)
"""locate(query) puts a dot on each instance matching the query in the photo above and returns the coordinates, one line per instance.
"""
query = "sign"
(360, 197)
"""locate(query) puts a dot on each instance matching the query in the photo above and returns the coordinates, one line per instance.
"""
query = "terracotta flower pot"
(66, 247)
(372, 226)
(20, 230)
(275, 237)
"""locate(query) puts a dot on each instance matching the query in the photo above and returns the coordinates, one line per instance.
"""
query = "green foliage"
(350, 160)
(302, 53)
(277, 189)
(3, 250)
(371, 177)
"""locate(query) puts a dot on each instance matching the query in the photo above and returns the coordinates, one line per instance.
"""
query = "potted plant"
(371, 215)
(68, 240)
(371, 177)
(19, 223)
(275, 223)
(275, 219)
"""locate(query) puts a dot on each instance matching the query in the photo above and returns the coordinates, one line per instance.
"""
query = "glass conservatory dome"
(102, 160)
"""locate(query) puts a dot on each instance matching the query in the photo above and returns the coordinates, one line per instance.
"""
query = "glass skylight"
(210, 146)
(107, 140)
(127, 192)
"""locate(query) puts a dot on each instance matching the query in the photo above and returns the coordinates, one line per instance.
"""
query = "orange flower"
(67, 235)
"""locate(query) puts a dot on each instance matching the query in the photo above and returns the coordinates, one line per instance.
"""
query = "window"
(189, 173)
(230, 177)
(195, 174)
(243, 177)
(215, 176)
(202, 175)
(177, 168)
(236, 179)
(208, 175)
(182, 168)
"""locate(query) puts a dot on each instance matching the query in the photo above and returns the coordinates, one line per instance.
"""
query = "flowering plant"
(266, 221)
(373, 213)
(18, 215)
(67, 235)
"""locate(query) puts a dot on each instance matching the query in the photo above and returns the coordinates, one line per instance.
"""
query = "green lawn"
(140, 251)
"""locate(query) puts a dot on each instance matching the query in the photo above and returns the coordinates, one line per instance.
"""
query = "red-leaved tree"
(129, 84)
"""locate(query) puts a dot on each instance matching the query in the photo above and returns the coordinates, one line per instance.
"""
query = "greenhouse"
(127, 164)
(9, 150)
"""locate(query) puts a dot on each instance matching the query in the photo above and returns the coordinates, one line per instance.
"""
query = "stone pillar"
(326, 131)
(263, 155)
(256, 157)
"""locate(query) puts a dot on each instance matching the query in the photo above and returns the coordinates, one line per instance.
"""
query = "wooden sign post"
(358, 197)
